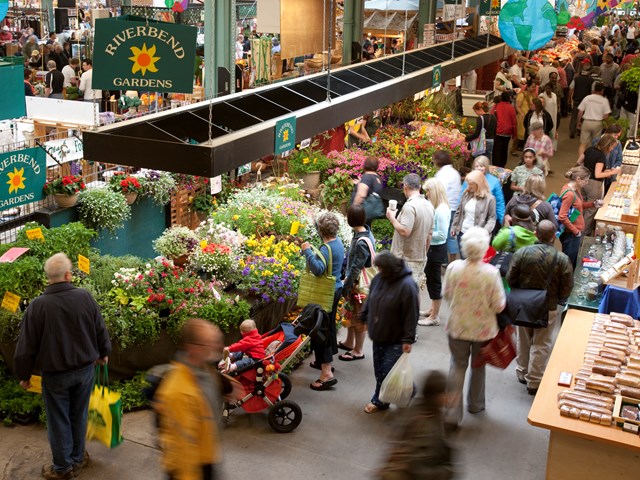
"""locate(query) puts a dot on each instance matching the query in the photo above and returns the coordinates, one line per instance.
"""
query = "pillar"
(352, 27)
(426, 14)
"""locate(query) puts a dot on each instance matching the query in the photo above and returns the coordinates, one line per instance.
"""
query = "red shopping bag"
(499, 352)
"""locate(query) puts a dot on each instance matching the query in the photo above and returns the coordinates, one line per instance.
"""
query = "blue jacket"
(317, 266)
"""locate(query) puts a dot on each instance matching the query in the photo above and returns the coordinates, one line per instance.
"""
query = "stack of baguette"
(611, 367)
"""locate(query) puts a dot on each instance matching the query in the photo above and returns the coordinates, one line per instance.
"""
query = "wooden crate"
(181, 213)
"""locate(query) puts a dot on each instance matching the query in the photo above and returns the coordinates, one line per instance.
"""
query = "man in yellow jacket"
(189, 400)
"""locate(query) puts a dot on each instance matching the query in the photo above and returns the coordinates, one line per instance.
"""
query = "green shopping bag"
(105, 411)
(320, 290)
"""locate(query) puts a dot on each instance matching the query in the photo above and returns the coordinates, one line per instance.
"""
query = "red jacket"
(251, 345)
(506, 115)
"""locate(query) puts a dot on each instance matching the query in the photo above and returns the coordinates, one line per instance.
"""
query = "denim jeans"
(384, 358)
(66, 401)
(570, 246)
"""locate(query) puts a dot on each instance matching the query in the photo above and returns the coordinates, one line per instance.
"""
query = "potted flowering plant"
(159, 186)
(176, 243)
(127, 185)
(202, 204)
(309, 164)
(337, 191)
(65, 189)
(103, 208)
(216, 260)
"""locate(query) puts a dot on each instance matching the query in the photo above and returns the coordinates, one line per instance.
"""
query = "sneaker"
(426, 314)
(77, 468)
(521, 379)
(50, 474)
(532, 391)
(429, 322)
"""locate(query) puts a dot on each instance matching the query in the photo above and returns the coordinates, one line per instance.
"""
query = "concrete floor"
(336, 439)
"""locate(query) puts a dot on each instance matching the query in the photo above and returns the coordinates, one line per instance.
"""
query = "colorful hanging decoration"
(527, 24)
(4, 8)
(177, 5)
(576, 23)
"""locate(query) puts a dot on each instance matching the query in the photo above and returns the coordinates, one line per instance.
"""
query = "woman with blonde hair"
(437, 254)
(483, 164)
(534, 197)
(477, 206)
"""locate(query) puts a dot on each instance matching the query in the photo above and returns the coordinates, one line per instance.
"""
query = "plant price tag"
(83, 264)
(295, 226)
(10, 301)
(36, 384)
(423, 130)
(35, 233)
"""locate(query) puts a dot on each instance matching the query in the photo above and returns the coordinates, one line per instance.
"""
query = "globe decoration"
(4, 8)
(527, 24)
(563, 16)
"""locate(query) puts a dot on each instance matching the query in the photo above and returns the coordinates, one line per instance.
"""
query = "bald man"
(189, 400)
(539, 266)
(63, 335)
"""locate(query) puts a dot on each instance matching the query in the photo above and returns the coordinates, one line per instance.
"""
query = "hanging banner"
(132, 53)
(22, 176)
(12, 92)
(527, 24)
(436, 79)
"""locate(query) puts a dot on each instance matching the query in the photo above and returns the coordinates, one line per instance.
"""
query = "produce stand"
(578, 449)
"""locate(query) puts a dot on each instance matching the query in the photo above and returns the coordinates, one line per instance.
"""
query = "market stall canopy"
(389, 21)
(397, 5)
(242, 128)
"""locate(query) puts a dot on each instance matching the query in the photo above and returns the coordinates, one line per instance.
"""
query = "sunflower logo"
(16, 180)
(144, 59)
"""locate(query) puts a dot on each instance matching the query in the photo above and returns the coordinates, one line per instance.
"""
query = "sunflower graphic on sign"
(16, 180)
(144, 59)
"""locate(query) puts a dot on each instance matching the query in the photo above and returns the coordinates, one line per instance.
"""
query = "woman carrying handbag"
(332, 252)
(361, 257)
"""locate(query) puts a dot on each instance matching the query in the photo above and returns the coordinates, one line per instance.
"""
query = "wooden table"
(578, 449)
(627, 227)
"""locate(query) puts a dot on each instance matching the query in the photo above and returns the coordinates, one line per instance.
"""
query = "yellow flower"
(305, 160)
(235, 217)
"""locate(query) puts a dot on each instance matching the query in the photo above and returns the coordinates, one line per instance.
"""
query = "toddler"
(248, 350)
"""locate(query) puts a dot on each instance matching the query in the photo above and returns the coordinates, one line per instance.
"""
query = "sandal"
(317, 366)
(323, 384)
(371, 408)
(350, 357)
(342, 346)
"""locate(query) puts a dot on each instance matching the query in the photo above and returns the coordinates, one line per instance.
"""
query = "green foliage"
(624, 125)
(129, 324)
(102, 269)
(24, 277)
(131, 391)
(203, 203)
(9, 325)
(14, 400)
(71, 238)
(337, 189)
(383, 233)
(631, 77)
(175, 241)
(308, 160)
(225, 313)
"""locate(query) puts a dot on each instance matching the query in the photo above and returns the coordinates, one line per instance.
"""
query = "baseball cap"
(5, 28)
(35, 53)
(505, 65)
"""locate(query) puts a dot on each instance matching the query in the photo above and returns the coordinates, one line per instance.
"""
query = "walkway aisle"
(336, 439)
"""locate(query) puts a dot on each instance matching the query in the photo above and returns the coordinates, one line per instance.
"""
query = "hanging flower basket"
(65, 201)
(131, 197)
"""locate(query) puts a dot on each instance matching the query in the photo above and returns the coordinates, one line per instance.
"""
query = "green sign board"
(489, 7)
(285, 135)
(132, 53)
(23, 173)
(437, 76)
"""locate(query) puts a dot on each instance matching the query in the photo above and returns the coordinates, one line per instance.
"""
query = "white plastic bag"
(397, 387)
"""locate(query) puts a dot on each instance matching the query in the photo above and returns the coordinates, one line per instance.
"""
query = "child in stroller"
(246, 352)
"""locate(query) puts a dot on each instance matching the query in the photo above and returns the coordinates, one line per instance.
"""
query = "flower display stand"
(181, 211)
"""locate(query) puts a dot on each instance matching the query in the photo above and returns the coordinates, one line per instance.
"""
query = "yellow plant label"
(35, 233)
(423, 130)
(83, 264)
(295, 226)
(36, 384)
(397, 149)
(464, 121)
(10, 302)
(203, 244)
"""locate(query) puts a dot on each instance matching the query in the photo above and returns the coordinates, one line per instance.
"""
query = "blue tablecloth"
(620, 300)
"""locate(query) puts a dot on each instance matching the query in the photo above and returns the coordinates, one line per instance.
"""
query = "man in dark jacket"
(578, 89)
(391, 314)
(63, 335)
(539, 266)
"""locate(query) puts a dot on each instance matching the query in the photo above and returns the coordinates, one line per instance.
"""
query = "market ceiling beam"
(243, 124)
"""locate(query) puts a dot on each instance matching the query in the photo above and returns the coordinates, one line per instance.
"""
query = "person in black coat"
(391, 312)
(538, 114)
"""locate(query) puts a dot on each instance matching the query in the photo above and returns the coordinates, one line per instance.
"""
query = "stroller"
(265, 385)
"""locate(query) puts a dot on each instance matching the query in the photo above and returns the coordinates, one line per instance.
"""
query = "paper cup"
(393, 204)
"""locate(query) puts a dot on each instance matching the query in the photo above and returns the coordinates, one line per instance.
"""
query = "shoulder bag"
(502, 260)
(373, 207)
(320, 290)
(479, 145)
(529, 307)
(555, 201)
(367, 273)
